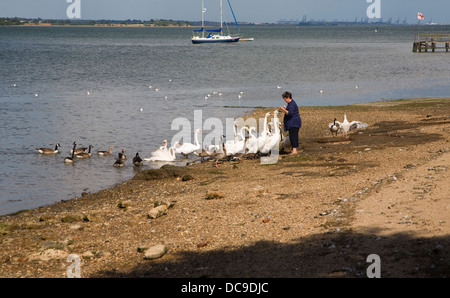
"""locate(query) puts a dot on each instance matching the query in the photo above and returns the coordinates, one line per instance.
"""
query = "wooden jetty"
(431, 42)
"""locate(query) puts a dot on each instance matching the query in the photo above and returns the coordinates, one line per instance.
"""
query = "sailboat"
(216, 35)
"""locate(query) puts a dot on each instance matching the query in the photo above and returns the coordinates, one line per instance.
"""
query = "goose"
(264, 134)
(334, 128)
(345, 127)
(71, 159)
(84, 154)
(222, 153)
(137, 160)
(49, 150)
(123, 156)
(189, 148)
(120, 162)
(106, 152)
(240, 154)
(78, 150)
(161, 155)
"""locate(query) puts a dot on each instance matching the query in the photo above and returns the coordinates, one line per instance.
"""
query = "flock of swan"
(236, 148)
(242, 144)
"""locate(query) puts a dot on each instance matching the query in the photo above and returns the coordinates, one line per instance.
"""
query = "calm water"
(119, 64)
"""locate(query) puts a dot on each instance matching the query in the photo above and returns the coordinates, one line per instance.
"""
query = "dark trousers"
(293, 136)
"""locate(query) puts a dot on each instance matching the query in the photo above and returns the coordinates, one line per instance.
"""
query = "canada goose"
(119, 161)
(334, 128)
(106, 152)
(78, 150)
(137, 160)
(49, 150)
(71, 159)
(122, 155)
(84, 154)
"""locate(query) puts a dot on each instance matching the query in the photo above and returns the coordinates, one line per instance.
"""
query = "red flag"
(420, 16)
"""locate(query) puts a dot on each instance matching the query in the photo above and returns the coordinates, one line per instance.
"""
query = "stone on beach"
(155, 252)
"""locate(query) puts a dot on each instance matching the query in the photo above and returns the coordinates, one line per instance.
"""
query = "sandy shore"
(321, 213)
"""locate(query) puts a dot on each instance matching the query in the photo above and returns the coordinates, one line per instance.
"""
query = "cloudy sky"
(269, 11)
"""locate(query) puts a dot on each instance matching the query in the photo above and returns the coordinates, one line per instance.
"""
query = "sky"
(264, 11)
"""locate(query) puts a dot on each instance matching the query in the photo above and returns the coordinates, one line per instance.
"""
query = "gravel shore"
(321, 213)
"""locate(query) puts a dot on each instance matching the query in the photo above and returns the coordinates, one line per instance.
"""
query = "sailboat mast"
(203, 18)
(221, 15)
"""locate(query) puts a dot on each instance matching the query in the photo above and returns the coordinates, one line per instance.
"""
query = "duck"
(49, 150)
(102, 153)
(85, 154)
(119, 161)
(334, 128)
(71, 159)
(345, 127)
(137, 160)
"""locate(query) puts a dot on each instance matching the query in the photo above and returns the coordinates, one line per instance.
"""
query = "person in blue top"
(292, 120)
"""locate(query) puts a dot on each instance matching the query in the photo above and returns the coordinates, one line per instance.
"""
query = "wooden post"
(447, 46)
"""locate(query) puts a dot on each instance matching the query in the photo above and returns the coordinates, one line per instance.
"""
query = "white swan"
(189, 148)
(237, 145)
(252, 142)
(262, 139)
(162, 155)
(345, 127)
(274, 139)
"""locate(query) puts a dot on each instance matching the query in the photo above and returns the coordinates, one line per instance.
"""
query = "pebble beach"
(384, 190)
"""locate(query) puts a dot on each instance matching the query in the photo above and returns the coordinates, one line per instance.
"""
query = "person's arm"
(284, 110)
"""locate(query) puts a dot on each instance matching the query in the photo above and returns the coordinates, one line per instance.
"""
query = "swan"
(264, 134)
(189, 148)
(334, 128)
(345, 127)
(71, 159)
(161, 155)
(161, 152)
(49, 150)
(84, 154)
(236, 146)
(137, 160)
(252, 142)
(273, 139)
(106, 152)
(285, 142)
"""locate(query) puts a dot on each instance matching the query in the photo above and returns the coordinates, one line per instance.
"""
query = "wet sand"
(383, 191)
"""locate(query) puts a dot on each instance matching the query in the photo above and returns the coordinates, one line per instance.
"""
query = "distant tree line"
(9, 21)
(74, 22)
